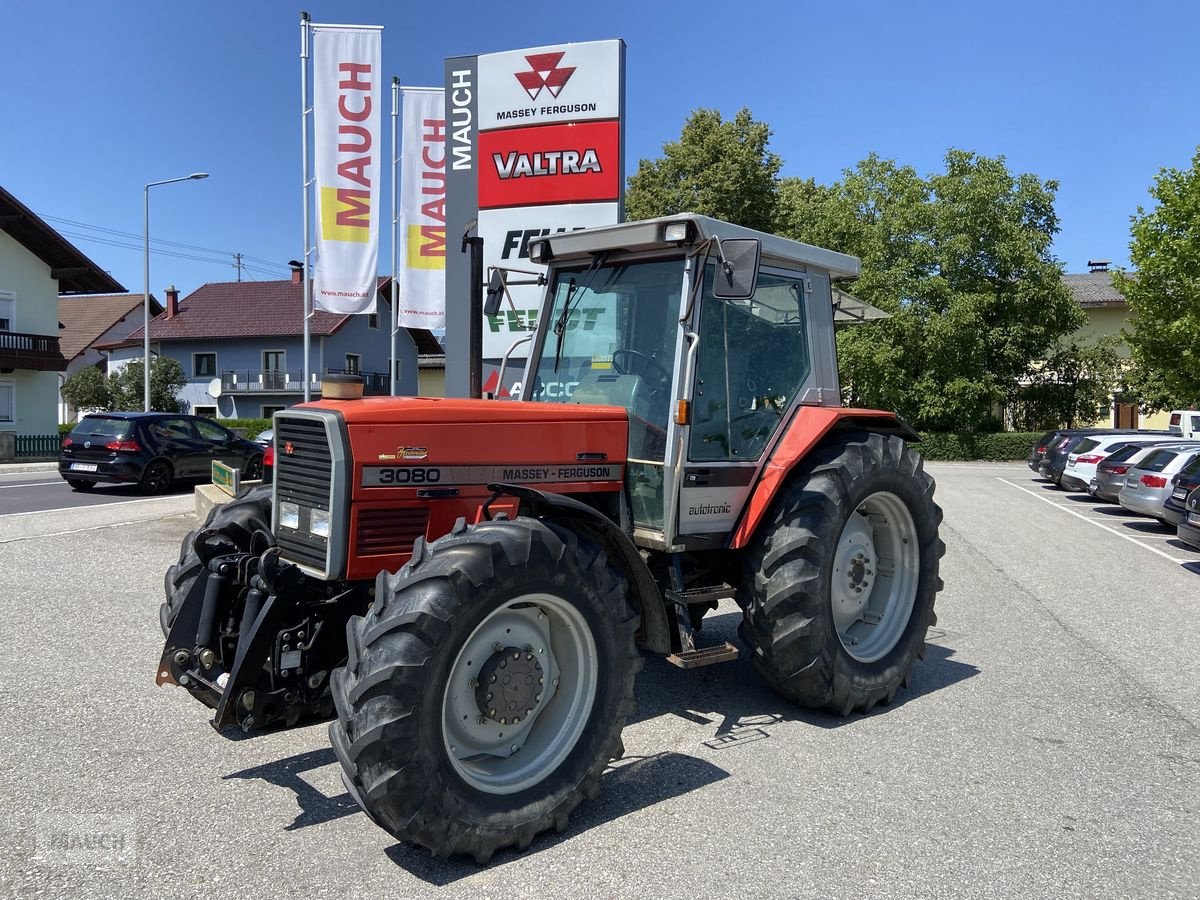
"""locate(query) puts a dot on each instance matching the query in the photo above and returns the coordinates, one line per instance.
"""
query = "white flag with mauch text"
(346, 155)
(422, 269)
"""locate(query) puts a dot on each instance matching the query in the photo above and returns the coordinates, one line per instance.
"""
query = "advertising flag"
(422, 272)
(346, 155)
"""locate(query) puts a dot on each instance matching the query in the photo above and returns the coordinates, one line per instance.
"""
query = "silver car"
(1148, 484)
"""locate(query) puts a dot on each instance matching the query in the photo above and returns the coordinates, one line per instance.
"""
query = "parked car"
(1188, 530)
(1083, 458)
(1055, 461)
(151, 450)
(1148, 483)
(1183, 483)
(1111, 472)
(265, 438)
(1051, 439)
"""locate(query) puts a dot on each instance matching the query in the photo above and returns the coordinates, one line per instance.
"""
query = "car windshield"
(101, 426)
(1086, 445)
(1193, 466)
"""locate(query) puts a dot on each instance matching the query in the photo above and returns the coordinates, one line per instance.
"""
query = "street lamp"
(146, 278)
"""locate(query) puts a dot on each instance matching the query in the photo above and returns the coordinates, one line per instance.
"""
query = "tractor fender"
(621, 551)
(806, 429)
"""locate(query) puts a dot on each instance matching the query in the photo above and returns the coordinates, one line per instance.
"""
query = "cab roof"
(647, 234)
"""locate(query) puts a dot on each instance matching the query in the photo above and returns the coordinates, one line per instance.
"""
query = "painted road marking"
(1100, 525)
(31, 484)
(38, 512)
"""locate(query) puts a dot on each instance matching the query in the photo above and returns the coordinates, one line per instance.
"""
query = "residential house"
(1107, 313)
(37, 264)
(242, 349)
(86, 323)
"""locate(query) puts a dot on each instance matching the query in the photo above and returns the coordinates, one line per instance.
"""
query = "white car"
(1083, 459)
(1148, 484)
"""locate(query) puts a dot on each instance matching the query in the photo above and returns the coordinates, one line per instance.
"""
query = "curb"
(18, 468)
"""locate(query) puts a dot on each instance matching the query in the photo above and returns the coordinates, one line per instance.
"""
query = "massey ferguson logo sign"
(545, 73)
(534, 147)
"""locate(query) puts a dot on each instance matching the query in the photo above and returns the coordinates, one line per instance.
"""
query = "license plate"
(1179, 493)
(1193, 518)
(83, 467)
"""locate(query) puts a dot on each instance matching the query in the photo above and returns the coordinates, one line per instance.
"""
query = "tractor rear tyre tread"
(788, 619)
(389, 735)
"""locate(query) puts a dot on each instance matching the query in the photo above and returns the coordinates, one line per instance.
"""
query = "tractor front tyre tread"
(389, 697)
(787, 612)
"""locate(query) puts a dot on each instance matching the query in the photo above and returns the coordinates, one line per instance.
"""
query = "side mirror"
(495, 292)
(737, 269)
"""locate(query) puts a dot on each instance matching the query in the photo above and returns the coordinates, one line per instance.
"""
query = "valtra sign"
(536, 146)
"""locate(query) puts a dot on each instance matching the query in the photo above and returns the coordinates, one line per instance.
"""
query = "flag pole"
(395, 225)
(305, 36)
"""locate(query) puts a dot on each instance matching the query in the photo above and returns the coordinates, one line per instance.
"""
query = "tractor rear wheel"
(486, 688)
(841, 577)
(237, 523)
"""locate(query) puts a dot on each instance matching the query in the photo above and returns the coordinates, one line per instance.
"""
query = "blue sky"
(100, 98)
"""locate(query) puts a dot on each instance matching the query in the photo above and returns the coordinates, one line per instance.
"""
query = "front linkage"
(256, 639)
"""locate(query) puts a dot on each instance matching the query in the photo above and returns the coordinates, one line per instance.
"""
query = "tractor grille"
(303, 476)
(389, 531)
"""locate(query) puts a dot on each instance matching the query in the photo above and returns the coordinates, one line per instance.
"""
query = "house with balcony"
(87, 323)
(241, 346)
(37, 265)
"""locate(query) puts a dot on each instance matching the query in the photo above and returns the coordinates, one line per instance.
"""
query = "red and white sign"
(346, 156)
(549, 158)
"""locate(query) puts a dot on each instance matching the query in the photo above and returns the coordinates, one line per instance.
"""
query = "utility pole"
(237, 264)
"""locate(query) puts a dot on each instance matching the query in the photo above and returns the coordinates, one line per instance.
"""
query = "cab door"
(754, 363)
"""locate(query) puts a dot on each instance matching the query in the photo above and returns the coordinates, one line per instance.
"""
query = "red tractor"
(471, 584)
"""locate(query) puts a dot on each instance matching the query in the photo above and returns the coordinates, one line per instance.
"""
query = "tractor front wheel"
(487, 687)
(841, 577)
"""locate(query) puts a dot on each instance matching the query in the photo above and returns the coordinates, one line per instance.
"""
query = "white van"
(1185, 423)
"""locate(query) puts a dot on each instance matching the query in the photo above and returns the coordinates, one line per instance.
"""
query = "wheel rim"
(551, 640)
(156, 477)
(254, 469)
(875, 571)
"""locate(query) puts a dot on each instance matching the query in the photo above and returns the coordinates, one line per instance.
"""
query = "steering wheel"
(641, 364)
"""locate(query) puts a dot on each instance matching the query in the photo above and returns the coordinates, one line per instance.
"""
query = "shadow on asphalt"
(730, 700)
(1149, 526)
(315, 808)
(630, 784)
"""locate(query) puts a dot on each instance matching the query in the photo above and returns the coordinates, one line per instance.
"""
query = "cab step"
(695, 596)
(705, 656)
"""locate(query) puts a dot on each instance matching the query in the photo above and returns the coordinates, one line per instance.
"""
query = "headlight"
(318, 522)
(289, 515)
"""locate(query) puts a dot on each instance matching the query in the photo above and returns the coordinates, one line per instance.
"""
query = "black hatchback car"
(151, 450)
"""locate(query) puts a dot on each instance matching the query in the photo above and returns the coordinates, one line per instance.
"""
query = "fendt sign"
(535, 141)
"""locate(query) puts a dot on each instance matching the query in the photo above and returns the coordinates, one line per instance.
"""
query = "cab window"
(752, 359)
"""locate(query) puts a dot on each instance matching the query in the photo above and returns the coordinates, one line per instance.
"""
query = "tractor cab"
(708, 334)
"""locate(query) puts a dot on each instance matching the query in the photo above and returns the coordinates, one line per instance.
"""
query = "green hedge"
(999, 447)
(249, 427)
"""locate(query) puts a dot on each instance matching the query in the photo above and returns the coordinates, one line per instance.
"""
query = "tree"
(961, 259)
(1073, 385)
(87, 389)
(716, 168)
(128, 391)
(1164, 294)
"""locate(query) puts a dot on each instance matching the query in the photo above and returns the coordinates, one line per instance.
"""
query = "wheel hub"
(510, 685)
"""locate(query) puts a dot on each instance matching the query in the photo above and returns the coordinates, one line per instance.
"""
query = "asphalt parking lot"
(1047, 746)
